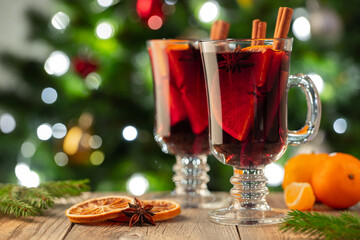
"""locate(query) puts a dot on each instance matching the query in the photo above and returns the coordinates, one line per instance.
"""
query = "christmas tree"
(87, 111)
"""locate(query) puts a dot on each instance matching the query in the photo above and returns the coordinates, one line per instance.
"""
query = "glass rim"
(174, 40)
(231, 40)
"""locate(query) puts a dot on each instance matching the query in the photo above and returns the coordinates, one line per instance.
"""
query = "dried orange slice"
(163, 210)
(299, 196)
(98, 209)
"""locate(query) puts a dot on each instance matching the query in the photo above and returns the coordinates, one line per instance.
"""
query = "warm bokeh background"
(76, 89)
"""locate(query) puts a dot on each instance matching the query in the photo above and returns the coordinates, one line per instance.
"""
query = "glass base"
(212, 200)
(232, 216)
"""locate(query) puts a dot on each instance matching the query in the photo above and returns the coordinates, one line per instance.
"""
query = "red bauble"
(148, 8)
(84, 66)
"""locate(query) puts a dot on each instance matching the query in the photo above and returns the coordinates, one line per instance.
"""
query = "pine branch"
(19, 201)
(345, 226)
(17, 208)
(66, 188)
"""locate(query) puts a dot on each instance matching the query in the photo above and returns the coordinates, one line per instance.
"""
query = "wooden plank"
(51, 225)
(191, 224)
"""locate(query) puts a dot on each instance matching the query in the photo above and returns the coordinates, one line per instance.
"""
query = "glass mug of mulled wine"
(247, 90)
(181, 119)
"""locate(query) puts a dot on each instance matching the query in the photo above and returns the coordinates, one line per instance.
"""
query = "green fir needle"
(344, 226)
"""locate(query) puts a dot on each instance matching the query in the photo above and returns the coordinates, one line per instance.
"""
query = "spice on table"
(139, 213)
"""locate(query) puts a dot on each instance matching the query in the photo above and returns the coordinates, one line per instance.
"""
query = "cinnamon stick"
(282, 24)
(255, 25)
(261, 32)
(258, 31)
(219, 30)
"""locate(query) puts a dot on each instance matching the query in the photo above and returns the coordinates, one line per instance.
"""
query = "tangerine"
(299, 196)
(336, 182)
(300, 168)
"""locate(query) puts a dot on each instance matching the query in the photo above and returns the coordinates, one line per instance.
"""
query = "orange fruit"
(299, 196)
(163, 210)
(336, 182)
(98, 209)
(301, 167)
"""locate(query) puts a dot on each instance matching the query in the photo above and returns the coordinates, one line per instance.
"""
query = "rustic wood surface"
(191, 224)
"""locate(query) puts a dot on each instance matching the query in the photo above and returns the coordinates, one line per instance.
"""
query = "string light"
(155, 22)
(93, 81)
(302, 28)
(61, 159)
(44, 131)
(129, 133)
(95, 142)
(97, 158)
(60, 21)
(275, 174)
(137, 184)
(7, 123)
(25, 176)
(28, 149)
(318, 81)
(49, 95)
(105, 3)
(58, 63)
(104, 30)
(59, 130)
(209, 11)
(340, 125)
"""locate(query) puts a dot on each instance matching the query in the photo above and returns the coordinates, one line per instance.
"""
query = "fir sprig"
(19, 201)
(344, 226)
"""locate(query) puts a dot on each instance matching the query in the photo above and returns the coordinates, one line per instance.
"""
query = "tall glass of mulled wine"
(247, 90)
(181, 118)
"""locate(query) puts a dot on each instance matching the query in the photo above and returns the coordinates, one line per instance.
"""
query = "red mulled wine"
(181, 125)
(247, 91)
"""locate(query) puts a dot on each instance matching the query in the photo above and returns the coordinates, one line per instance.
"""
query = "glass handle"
(312, 123)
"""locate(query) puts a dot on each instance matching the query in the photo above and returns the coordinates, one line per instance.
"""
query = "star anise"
(234, 62)
(139, 213)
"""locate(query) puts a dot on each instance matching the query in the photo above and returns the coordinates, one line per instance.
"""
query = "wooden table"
(191, 224)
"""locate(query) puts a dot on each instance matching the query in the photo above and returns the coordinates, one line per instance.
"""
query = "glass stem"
(249, 191)
(191, 176)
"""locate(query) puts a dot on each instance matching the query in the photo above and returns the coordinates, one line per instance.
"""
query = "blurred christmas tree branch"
(20, 201)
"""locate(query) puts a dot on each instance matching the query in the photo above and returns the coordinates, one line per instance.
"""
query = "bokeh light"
(49, 95)
(58, 63)
(340, 125)
(302, 28)
(129, 133)
(93, 81)
(59, 130)
(25, 176)
(72, 140)
(275, 174)
(60, 21)
(61, 159)
(95, 142)
(104, 30)
(7, 123)
(105, 3)
(97, 158)
(137, 184)
(171, 2)
(44, 131)
(155, 22)
(209, 11)
(318, 81)
(28, 149)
